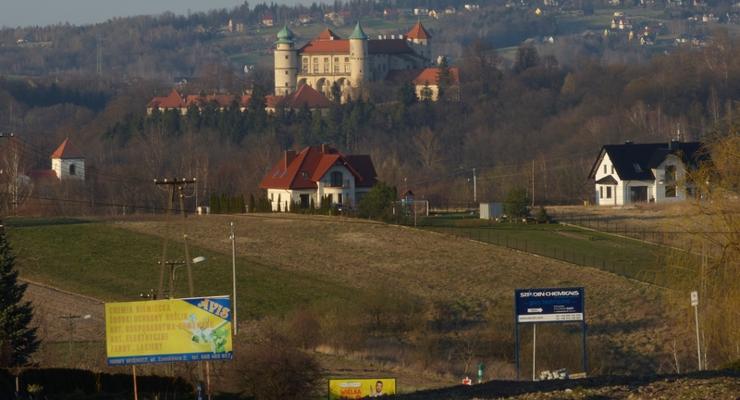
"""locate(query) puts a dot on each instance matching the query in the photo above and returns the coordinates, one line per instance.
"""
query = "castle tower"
(67, 162)
(358, 59)
(286, 63)
(420, 41)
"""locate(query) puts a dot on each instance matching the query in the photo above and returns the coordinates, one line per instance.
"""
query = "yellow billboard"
(157, 331)
(340, 389)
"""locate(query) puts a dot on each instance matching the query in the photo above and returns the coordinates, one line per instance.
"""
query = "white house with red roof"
(329, 59)
(67, 162)
(318, 174)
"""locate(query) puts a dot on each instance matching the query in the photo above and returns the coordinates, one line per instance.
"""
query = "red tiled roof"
(303, 170)
(172, 100)
(66, 150)
(306, 96)
(221, 100)
(42, 174)
(430, 76)
(326, 46)
(388, 46)
(327, 34)
(272, 101)
(418, 32)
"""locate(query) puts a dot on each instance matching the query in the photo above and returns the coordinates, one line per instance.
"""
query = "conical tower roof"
(66, 150)
(358, 33)
(285, 35)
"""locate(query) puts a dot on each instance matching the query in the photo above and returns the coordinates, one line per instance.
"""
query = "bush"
(517, 203)
(542, 216)
(275, 369)
(378, 202)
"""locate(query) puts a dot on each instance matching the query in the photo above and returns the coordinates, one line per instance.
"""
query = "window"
(612, 169)
(604, 168)
(670, 173)
(72, 169)
(339, 200)
(304, 65)
(286, 57)
(608, 192)
(326, 64)
(601, 192)
(286, 72)
(336, 179)
(670, 191)
(346, 67)
(315, 65)
(330, 198)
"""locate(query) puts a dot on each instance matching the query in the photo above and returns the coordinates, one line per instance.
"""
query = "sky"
(45, 12)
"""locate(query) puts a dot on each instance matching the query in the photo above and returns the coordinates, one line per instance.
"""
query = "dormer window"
(72, 169)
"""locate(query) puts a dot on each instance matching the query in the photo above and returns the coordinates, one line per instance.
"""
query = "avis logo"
(214, 308)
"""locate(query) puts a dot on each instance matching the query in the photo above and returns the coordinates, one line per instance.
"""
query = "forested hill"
(538, 114)
(531, 115)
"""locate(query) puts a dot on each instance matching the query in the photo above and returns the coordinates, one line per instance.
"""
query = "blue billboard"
(549, 305)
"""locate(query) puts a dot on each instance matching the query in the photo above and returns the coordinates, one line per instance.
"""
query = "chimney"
(324, 148)
(289, 157)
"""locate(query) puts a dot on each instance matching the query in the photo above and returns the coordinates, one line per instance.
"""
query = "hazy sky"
(43, 12)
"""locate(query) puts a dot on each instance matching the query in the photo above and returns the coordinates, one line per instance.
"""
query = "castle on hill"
(329, 59)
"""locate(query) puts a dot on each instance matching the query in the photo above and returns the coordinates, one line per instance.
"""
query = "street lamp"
(70, 320)
(173, 269)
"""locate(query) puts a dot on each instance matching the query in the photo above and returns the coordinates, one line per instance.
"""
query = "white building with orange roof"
(329, 59)
(67, 162)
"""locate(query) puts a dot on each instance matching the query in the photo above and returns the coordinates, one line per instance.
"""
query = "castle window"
(72, 169)
(304, 65)
(286, 57)
(315, 65)
(346, 59)
(326, 64)
(346, 67)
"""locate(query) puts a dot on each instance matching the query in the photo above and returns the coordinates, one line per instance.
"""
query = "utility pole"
(695, 304)
(178, 184)
(532, 182)
(233, 275)
(475, 188)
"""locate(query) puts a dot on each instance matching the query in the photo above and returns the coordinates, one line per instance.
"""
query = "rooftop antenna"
(678, 132)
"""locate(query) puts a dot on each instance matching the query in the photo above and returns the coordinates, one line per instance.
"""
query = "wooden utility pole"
(176, 185)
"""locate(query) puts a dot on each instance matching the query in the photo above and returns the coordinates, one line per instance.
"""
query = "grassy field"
(101, 260)
(623, 256)
(342, 269)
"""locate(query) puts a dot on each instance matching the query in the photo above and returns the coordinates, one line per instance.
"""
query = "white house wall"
(618, 197)
(660, 184)
(61, 168)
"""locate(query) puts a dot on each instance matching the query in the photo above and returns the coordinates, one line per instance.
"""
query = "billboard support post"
(534, 352)
(583, 345)
(516, 350)
(136, 389)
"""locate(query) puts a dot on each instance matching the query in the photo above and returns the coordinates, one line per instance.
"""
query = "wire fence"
(649, 263)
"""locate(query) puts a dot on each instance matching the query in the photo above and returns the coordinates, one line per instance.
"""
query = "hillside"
(387, 298)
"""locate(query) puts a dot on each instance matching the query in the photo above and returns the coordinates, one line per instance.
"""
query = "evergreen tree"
(17, 340)
(251, 204)
(443, 77)
(407, 94)
(215, 204)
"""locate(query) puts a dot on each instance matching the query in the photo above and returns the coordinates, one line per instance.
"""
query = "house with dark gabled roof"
(632, 173)
(318, 174)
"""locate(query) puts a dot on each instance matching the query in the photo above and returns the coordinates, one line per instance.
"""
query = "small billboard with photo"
(342, 389)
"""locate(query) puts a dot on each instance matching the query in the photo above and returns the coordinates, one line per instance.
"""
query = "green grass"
(623, 256)
(114, 264)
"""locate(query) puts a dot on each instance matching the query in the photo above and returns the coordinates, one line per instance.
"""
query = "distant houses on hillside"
(632, 173)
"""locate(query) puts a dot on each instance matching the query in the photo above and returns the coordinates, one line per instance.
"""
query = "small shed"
(491, 210)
